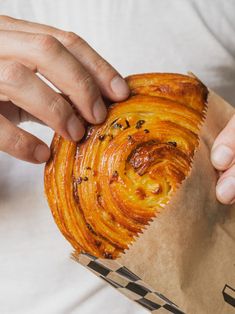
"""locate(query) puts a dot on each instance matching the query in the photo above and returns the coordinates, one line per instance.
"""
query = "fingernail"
(222, 156)
(75, 129)
(41, 153)
(226, 190)
(99, 111)
(120, 87)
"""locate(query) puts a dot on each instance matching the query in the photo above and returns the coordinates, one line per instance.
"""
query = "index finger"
(60, 67)
(109, 81)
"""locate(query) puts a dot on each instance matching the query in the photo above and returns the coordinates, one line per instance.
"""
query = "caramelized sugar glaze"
(104, 190)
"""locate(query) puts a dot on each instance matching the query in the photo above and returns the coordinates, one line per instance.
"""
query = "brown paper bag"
(184, 262)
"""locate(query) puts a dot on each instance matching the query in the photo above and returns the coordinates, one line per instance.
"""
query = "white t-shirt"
(36, 274)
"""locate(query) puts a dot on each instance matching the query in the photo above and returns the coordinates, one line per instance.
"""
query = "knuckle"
(45, 43)
(86, 81)
(88, 86)
(58, 109)
(100, 65)
(12, 73)
(19, 142)
(69, 39)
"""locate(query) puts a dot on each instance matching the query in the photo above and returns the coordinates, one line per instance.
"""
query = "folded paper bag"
(187, 252)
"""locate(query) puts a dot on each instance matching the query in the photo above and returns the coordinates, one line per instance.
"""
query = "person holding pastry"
(60, 64)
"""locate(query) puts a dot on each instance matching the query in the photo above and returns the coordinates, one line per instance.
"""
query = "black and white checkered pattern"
(128, 284)
(229, 295)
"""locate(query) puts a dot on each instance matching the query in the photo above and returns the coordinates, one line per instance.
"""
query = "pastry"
(104, 190)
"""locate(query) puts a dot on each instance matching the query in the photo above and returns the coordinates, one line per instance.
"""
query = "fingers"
(54, 62)
(108, 79)
(223, 157)
(225, 189)
(223, 150)
(110, 82)
(29, 92)
(70, 64)
(105, 76)
(21, 144)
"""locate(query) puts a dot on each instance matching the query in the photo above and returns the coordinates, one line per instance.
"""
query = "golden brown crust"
(105, 190)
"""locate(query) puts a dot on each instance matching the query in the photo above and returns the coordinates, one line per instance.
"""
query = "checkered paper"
(126, 282)
(229, 295)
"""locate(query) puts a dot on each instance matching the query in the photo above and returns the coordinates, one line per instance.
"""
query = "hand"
(70, 64)
(223, 159)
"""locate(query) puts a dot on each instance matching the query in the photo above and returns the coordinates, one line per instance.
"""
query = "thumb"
(223, 150)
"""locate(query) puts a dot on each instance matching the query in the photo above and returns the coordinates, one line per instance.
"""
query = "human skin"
(223, 159)
(80, 73)
(70, 64)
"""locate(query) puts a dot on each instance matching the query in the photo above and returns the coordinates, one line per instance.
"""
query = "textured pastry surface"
(105, 190)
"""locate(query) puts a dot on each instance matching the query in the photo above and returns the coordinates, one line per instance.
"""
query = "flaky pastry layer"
(104, 190)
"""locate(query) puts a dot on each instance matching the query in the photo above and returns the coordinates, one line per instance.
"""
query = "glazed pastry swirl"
(106, 189)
